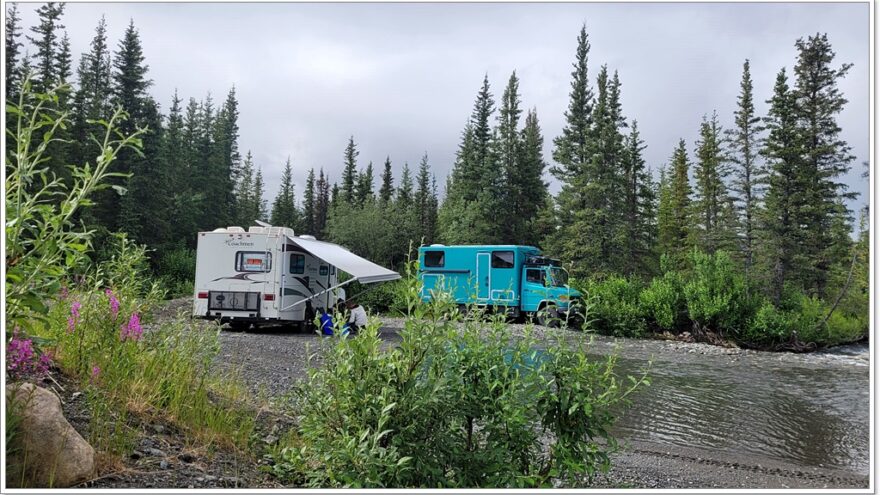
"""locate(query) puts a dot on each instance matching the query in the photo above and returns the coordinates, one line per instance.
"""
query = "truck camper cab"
(516, 279)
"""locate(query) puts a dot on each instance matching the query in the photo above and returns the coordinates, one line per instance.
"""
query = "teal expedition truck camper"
(516, 279)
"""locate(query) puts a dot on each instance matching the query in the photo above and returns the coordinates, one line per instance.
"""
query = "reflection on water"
(810, 416)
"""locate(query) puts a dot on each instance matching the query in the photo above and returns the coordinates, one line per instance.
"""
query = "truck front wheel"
(548, 316)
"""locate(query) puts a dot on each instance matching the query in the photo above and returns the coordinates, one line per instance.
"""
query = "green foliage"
(459, 403)
(164, 371)
(616, 307)
(384, 298)
(715, 292)
(42, 238)
(663, 302)
(177, 267)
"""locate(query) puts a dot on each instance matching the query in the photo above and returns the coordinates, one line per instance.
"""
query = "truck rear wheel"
(548, 316)
(239, 326)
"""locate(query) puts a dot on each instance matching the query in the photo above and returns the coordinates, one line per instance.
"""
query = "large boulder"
(46, 451)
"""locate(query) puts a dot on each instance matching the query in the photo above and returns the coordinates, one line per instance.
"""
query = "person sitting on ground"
(358, 318)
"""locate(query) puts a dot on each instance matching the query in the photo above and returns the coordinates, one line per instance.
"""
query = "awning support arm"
(301, 301)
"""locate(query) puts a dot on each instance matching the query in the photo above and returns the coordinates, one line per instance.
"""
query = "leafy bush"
(663, 301)
(715, 293)
(378, 298)
(459, 403)
(42, 241)
(615, 306)
(772, 325)
(177, 268)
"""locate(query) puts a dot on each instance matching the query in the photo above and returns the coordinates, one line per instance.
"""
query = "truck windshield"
(558, 277)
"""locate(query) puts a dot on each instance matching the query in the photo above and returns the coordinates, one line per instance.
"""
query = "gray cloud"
(402, 78)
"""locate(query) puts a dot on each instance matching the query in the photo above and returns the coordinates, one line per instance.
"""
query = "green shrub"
(799, 319)
(615, 306)
(663, 302)
(459, 403)
(177, 269)
(715, 293)
(43, 242)
(378, 298)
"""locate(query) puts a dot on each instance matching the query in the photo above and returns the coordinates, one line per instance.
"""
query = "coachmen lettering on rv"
(267, 274)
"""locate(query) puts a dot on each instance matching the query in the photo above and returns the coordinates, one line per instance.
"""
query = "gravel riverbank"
(272, 360)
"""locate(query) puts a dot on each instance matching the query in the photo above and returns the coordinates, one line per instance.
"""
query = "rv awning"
(364, 271)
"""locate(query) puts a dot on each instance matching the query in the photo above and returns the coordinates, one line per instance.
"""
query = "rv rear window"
(502, 259)
(253, 261)
(297, 263)
(435, 259)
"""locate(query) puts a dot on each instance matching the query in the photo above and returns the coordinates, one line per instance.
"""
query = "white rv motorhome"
(267, 274)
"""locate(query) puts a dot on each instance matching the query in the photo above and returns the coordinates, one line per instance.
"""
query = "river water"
(806, 409)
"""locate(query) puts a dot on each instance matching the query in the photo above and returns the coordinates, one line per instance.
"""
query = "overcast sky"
(402, 78)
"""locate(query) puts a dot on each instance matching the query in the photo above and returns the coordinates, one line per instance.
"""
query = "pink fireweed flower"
(133, 329)
(21, 358)
(96, 371)
(64, 292)
(114, 303)
(74, 318)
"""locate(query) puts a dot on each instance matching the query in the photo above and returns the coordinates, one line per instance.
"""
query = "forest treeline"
(762, 196)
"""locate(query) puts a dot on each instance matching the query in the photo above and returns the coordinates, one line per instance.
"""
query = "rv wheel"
(548, 316)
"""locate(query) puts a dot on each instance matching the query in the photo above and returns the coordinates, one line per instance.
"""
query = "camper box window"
(502, 259)
(297, 263)
(253, 261)
(323, 271)
(435, 259)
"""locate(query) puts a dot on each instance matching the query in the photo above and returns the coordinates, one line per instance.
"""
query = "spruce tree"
(309, 225)
(711, 194)
(181, 191)
(246, 209)
(63, 62)
(529, 182)
(349, 171)
(258, 195)
(826, 156)
(425, 202)
(640, 200)
(225, 160)
(507, 149)
(745, 145)
(782, 236)
(322, 204)
(284, 211)
(386, 192)
(364, 186)
(673, 221)
(45, 40)
(13, 47)
(572, 153)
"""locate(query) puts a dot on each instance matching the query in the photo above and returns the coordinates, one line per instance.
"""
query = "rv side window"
(297, 263)
(435, 259)
(502, 259)
(323, 271)
(253, 261)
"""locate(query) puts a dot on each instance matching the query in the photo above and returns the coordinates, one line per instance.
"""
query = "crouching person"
(358, 318)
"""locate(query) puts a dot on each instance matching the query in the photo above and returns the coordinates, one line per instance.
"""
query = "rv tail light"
(268, 297)
(203, 295)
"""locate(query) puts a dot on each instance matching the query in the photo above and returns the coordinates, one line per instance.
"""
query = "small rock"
(270, 439)
(190, 487)
(208, 477)
(155, 452)
(75, 395)
(186, 457)
(163, 464)
(159, 429)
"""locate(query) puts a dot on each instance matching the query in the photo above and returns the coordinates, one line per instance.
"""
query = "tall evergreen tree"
(309, 204)
(748, 175)
(142, 209)
(507, 149)
(46, 41)
(386, 192)
(711, 194)
(527, 179)
(426, 203)
(349, 171)
(673, 221)
(13, 47)
(182, 193)
(258, 194)
(225, 160)
(63, 61)
(364, 186)
(826, 156)
(91, 101)
(322, 203)
(247, 208)
(284, 211)
(639, 199)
